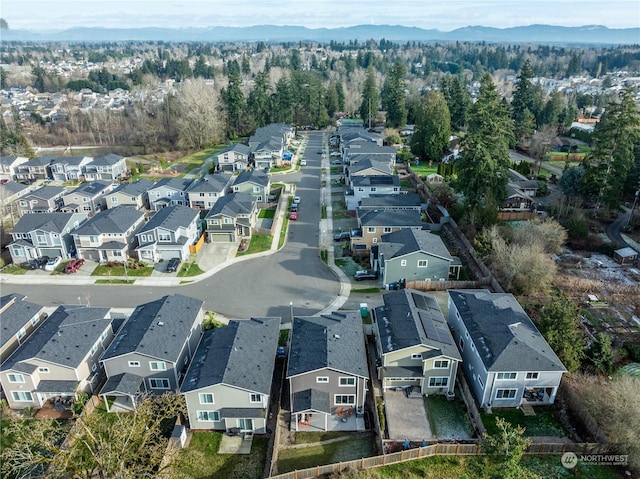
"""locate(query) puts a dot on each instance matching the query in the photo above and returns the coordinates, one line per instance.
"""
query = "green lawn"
(15, 269)
(201, 460)
(542, 424)
(267, 214)
(423, 169)
(189, 269)
(295, 459)
(258, 244)
(311, 437)
(106, 270)
(448, 419)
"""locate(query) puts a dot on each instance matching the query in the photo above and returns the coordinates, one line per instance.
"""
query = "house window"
(228, 221)
(43, 370)
(441, 364)
(346, 381)
(374, 240)
(506, 393)
(532, 375)
(360, 189)
(403, 262)
(159, 383)
(344, 399)
(206, 398)
(371, 230)
(438, 382)
(134, 364)
(41, 238)
(255, 398)
(164, 237)
(387, 229)
(104, 335)
(21, 334)
(461, 344)
(93, 239)
(15, 378)
(94, 367)
(373, 190)
(157, 365)
(114, 199)
(422, 263)
(481, 383)
(208, 416)
(21, 396)
(417, 356)
(94, 348)
(506, 376)
(322, 379)
(35, 320)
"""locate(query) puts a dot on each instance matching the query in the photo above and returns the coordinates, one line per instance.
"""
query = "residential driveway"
(406, 417)
(213, 254)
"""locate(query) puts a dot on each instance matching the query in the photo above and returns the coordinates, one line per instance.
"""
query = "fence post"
(436, 451)
(540, 448)
(384, 459)
(584, 448)
(457, 448)
(362, 463)
(318, 470)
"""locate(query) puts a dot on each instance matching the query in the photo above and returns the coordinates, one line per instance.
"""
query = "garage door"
(91, 255)
(166, 255)
(51, 252)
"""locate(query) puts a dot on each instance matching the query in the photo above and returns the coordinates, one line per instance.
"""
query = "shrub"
(633, 350)
(381, 417)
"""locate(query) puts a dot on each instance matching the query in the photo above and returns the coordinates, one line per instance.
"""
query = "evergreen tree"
(233, 99)
(484, 160)
(259, 101)
(283, 102)
(370, 99)
(394, 97)
(433, 127)
(525, 104)
(458, 101)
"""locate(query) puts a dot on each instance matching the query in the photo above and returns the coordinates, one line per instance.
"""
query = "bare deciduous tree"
(200, 120)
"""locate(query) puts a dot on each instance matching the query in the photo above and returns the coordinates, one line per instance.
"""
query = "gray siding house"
(374, 223)
(256, 183)
(234, 157)
(19, 319)
(59, 359)
(327, 372)
(414, 344)
(232, 218)
(203, 193)
(130, 194)
(9, 166)
(34, 169)
(168, 234)
(367, 185)
(45, 199)
(151, 351)
(169, 192)
(108, 167)
(506, 360)
(68, 168)
(88, 197)
(228, 384)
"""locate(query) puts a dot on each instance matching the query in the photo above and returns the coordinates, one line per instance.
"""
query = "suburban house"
(367, 167)
(204, 192)
(151, 350)
(256, 183)
(506, 360)
(365, 186)
(10, 192)
(414, 344)
(9, 166)
(266, 154)
(358, 135)
(517, 200)
(168, 192)
(168, 234)
(68, 168)
(34, 169)
(409, 201)
(44, 234)
(109, 235)
(356, 152)
(19, 319)
(59, 359)
(234, 157)
(327, 372)
(45, 199)
(524, 184)
(413, 255)
(130, 194)
(108, 167)
(374, 223)
(228, 384)
(88, 197)
(232, 218)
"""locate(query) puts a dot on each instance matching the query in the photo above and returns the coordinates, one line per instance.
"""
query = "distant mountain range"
(588, 34)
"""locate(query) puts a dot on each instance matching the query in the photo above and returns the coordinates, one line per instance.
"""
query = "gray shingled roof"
(258, 177)
(390, 201)
(311, 400)
(179, 184)
(376, 180)
(407, 218)
(368, 163)
(333, 341)
(239, 147)
(232, 205)
(64, 338)
(171, 218)
(505, 337)
(408, 240)
(39, 161)
(91, 188)
(10, 188)
(214, 183)
(136, 188)
(241, 354)
(156, 329)
(68, 160)
(16, 313)
(52, 222)
(124, 383)
(46, 192)
(7, 160)
(411, 318)
(113, 220)
(106, 160)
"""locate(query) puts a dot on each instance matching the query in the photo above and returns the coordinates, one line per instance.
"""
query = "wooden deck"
(48, 410)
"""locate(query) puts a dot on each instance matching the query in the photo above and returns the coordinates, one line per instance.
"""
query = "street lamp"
(291, 308)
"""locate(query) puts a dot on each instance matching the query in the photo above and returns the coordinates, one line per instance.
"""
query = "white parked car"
(296, 200)
(303, 162)
(53, 263)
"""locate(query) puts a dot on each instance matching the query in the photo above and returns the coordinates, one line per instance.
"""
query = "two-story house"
(413, 255)
(168, 192)
(130, 194)
(109, 167)
(414, 344)
(327, 372)
(365, 186)
(256, 183)
(34, 169)
(168, 234)
(506, 360)
(68, 168)
(45, 199)
(10, 192)
(109, 235)
(266, 154)
(88, 197)
(228, 384)
(392, 201)
(44, 234)
(151, 350)
(234, 157)
(19, 319)
(232, 218)
(9, 166)
(374, 223)
(59, 359)
(203, 193)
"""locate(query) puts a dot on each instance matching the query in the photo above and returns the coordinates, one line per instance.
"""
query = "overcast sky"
(443, 15)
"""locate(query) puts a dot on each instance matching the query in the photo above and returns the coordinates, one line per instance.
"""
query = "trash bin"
(364, 310)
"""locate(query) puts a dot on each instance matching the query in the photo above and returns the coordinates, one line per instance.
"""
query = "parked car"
(295, 207)
(303, 162)
(39, 262)
(73, 265)
(172, 265)
(53, 263)
(296, 200)
(365, 274)
(336, 162)
(281, 352)
(342, 236)
(293, 215)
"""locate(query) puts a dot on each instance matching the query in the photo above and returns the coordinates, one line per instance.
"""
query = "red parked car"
(293, 215)
(73, 265)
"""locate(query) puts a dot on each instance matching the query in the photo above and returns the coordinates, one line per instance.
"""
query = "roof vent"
(337, 336)
(160, 323)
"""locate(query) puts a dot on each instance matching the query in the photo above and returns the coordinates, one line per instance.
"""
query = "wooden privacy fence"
(426, 285)
(194, 248)
(448, 449)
